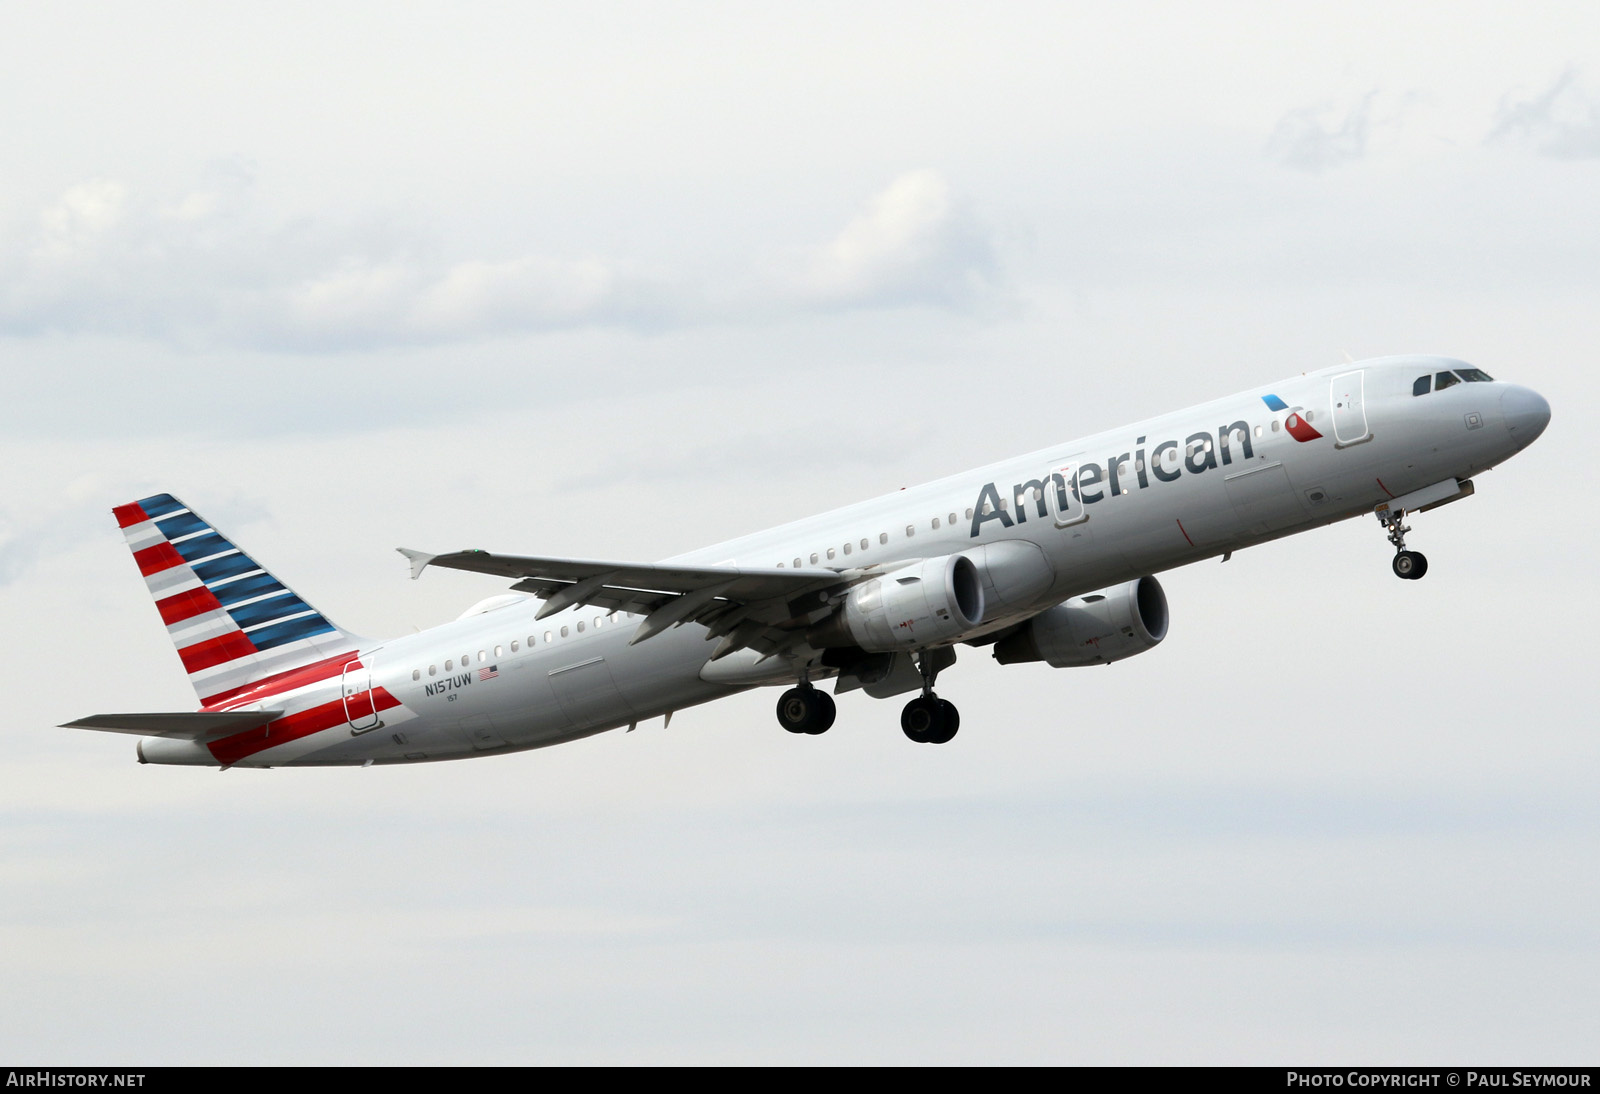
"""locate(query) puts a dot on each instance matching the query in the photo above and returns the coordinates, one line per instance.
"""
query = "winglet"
(419, 560)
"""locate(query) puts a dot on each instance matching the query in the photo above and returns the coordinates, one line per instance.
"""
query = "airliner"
(1049, 557)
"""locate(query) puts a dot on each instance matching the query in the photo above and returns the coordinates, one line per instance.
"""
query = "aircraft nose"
(1525, 413)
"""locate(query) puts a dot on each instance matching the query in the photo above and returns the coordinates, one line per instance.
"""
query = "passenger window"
(497, 652)
(863, 545)
(416, 674)
(830, 554)
(910, 530)
(797, 564)
(952, 520)
(935, 524)
(1274, 425)
(580, 626)
(883, 538)
(432, 671)
(1442, 380)
(969, 514)
(563, 632)
(1141, 462)
(447, 664)
(513, 645)
(549, 637)
(846, 548)
(482, 656)
(531, 637)
(1422, 386)
(466, 659)
(813, 558)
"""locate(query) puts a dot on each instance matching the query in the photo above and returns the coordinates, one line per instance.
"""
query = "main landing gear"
(928, 719)
(1409, 565)
(805, 709)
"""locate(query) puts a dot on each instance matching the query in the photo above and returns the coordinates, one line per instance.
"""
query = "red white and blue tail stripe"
(232, 623)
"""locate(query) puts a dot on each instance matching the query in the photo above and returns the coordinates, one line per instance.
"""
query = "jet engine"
(1095, 629)
(921, 605)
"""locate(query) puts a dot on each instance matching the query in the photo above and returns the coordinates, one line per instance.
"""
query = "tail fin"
(232, 623)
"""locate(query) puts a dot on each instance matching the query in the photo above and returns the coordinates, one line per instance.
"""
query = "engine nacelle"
(1096, 629)
(921, 605)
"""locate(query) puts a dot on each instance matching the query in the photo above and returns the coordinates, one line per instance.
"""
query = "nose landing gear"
(1409, 565)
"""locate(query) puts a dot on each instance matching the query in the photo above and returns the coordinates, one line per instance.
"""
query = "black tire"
(1408, 565)
(929, 720)
(950, 721)
(920, 718)
(824, 713)
(806, 710)
(1421, 566)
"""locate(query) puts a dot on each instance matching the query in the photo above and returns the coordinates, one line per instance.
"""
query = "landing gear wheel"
(930, 720)
(952, 722)
(1410, 565)
(806, 710)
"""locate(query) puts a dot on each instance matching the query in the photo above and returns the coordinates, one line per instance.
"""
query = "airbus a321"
(1047, 557)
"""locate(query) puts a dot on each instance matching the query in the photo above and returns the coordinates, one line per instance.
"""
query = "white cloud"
(213, 268)
(913, 244)
(1561, 122)
(1313, 139)
(83, 215)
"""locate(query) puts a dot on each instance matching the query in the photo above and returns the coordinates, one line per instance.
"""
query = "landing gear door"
(1064, 490)
(1349, 409)
(359, 709)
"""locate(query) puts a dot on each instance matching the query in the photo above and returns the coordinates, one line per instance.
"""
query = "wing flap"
(744, 607)
(743, 584)
(201, 726)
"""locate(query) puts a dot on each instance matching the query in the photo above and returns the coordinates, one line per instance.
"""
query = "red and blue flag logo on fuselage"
(1298, 427)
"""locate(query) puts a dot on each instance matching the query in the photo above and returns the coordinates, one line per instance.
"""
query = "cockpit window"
(1474, 376)
(1443, 380)
(1422, 386)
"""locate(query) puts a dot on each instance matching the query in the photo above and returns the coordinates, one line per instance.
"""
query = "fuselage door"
(1063, 488)
(1349, 409)
(356, 689)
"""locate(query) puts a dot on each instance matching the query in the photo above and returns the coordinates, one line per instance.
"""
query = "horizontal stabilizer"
(201, 726)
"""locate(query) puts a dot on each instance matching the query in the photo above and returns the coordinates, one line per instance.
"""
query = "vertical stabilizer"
(233, 624)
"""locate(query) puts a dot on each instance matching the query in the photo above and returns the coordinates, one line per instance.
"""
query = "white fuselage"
(1102, 510)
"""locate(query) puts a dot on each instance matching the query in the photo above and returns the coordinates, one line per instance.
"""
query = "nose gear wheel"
(1409, 565)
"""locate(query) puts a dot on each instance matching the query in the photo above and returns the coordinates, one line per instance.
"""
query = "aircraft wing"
(201, 726)
(745, 607)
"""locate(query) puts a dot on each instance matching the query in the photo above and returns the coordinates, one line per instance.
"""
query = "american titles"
(1088, 482)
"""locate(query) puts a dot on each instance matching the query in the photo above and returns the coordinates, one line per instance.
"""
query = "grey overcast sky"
(623, 279)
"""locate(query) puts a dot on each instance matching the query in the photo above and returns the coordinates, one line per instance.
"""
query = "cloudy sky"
(621, 280)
